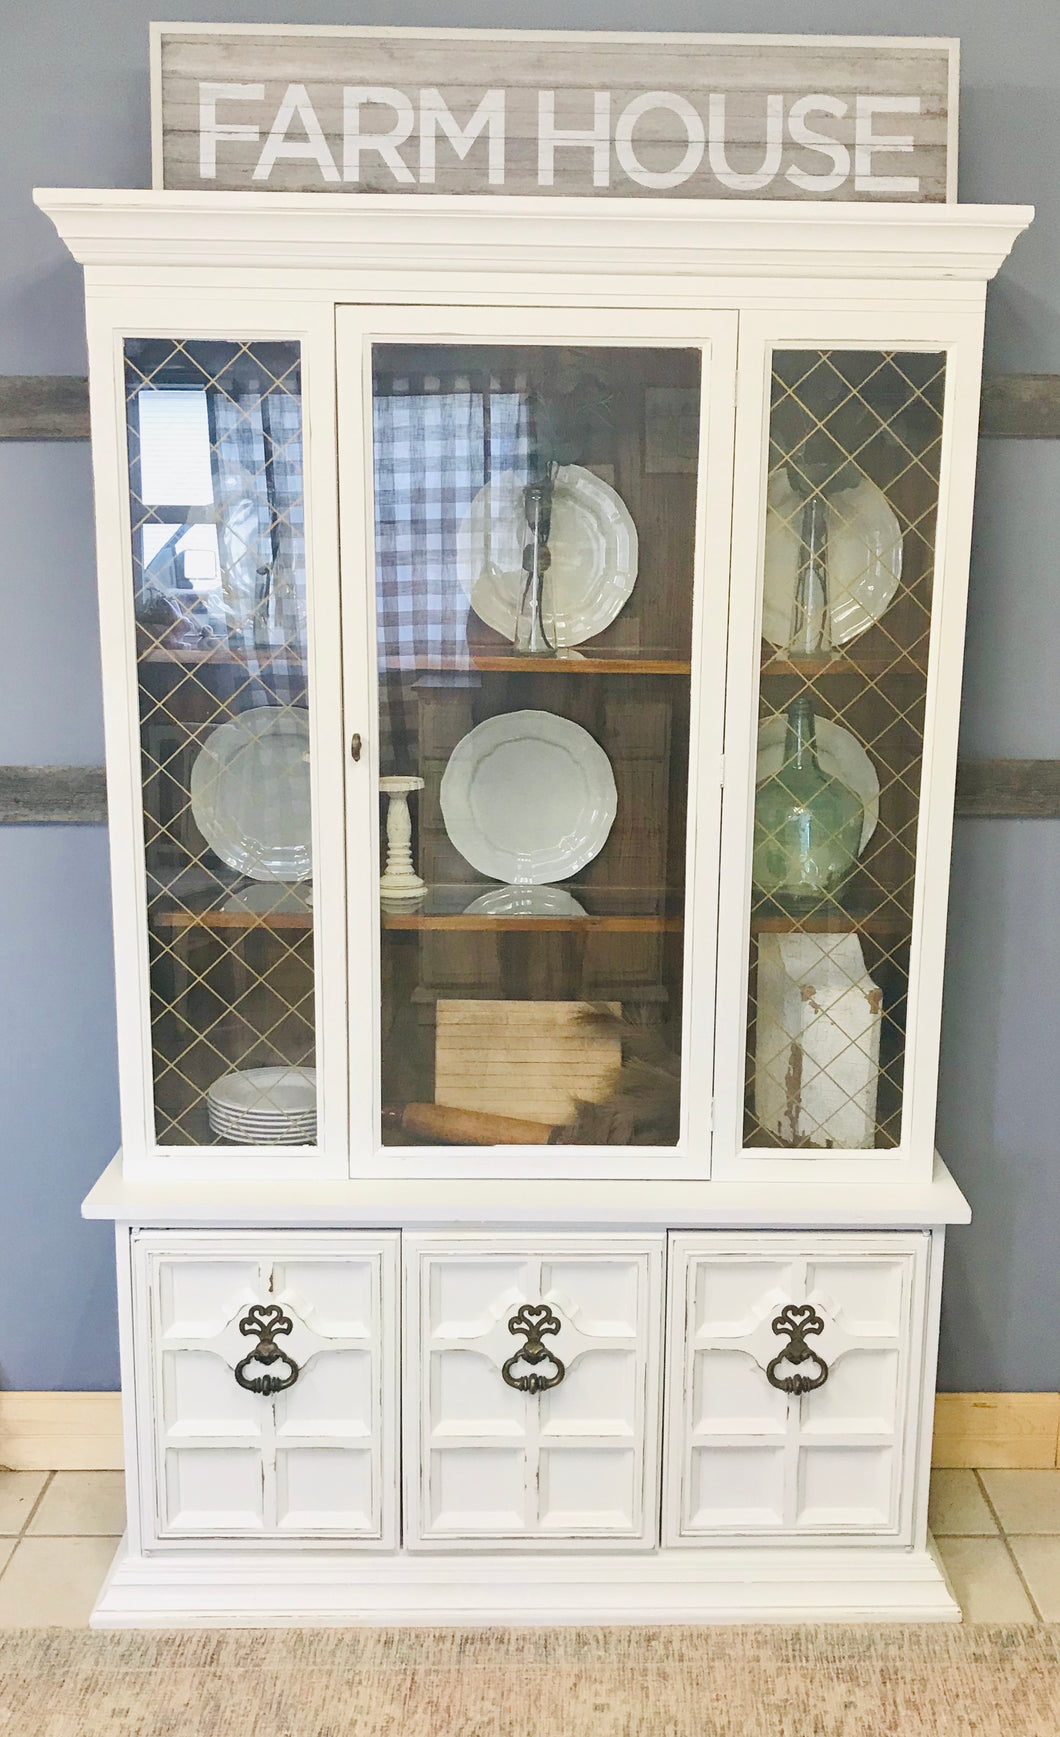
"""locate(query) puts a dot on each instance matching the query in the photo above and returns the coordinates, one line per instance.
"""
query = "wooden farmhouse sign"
(279, 108)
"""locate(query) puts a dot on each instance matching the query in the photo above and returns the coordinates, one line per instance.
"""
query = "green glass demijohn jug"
(807, 823)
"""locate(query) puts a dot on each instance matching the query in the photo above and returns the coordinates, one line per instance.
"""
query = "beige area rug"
(621, 1682)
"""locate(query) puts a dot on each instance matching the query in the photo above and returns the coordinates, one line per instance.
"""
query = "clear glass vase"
(809, 619)
(808, 823)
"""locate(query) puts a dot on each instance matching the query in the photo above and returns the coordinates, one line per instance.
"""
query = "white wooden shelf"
(517, 1202)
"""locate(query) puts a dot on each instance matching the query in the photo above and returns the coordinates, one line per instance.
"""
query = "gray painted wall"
(75, 102)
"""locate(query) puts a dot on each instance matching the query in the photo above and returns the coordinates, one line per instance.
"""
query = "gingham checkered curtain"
(437, 440)
(256, 456)
(281, 413)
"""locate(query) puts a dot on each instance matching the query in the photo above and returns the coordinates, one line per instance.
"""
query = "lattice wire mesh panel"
(855, 441)
(218, 539)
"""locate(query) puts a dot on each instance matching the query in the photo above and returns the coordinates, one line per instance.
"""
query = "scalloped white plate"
(593, 545)
(528, 798)
(864, 555)
(250, 793)
(525, 901)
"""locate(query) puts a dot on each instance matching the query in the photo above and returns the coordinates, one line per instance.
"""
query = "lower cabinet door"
(532, 1378)
(794, 1382)
(266, 1385)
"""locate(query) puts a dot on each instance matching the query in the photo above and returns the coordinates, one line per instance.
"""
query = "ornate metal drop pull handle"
(797, 1320)
(534, 1319)
(266, 1320)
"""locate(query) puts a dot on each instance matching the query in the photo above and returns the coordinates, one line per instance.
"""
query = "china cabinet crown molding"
(405, 1449)
(301, 233)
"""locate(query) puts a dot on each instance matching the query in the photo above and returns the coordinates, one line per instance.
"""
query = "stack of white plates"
(265, 1107)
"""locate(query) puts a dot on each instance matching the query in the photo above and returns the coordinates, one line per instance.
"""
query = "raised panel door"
(271, 1385)
(794, 1370)
(532, 1390)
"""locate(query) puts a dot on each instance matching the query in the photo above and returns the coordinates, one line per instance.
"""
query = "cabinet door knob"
(355, 745)
(266, 1320)
(797, 1320)
(534, 1319)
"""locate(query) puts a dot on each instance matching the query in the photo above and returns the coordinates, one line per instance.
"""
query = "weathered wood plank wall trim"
(76, 795)
(55, 407)
(1009, 789)
(1021, 407)
(52, 796)
(43, 407)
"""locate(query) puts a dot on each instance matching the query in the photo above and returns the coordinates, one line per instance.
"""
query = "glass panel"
(855, 439)
(535, 527)
(218, 539)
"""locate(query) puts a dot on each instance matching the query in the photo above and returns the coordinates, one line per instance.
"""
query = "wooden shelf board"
(839, 922)
(902, 664)
(232, 920)
(482, 663)
(219, 654)
(506, 663)
(480, 923)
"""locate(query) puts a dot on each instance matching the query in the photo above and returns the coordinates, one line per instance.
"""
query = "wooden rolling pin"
(448, 1127)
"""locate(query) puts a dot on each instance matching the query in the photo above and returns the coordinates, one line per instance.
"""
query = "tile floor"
(998, 1534)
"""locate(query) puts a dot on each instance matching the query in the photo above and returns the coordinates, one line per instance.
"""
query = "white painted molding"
(440, 233)
(517, 1201)
(226, 1589)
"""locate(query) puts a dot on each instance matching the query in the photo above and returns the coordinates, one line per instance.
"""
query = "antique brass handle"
(266, 1320)
(534, 1319)
(355, 745)
(797, 1320)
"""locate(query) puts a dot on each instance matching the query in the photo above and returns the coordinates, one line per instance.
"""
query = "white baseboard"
(1016, 1430)
(44, 1432)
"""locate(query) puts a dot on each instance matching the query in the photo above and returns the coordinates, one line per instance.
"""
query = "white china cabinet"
(532, 638)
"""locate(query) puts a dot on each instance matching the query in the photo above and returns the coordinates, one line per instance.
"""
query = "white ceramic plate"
(528, 798)
(288, 1133)
(271, 1092)
(525, 902)
(592, 542)
(250, 793)
(286, 1136)
(248, 1117)
(839, 754)
(864, 556)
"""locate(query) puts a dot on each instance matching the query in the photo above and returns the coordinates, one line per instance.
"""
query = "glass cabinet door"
(218, 544)
(845, 600)
(535, 523)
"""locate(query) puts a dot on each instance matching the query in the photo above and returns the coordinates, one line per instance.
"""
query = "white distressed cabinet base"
(653, 1482)
(234, 1590)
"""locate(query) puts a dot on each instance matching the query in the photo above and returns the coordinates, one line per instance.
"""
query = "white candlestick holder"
(399, 882)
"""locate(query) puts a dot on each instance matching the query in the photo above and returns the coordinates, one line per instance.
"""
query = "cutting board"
(531, 1059)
